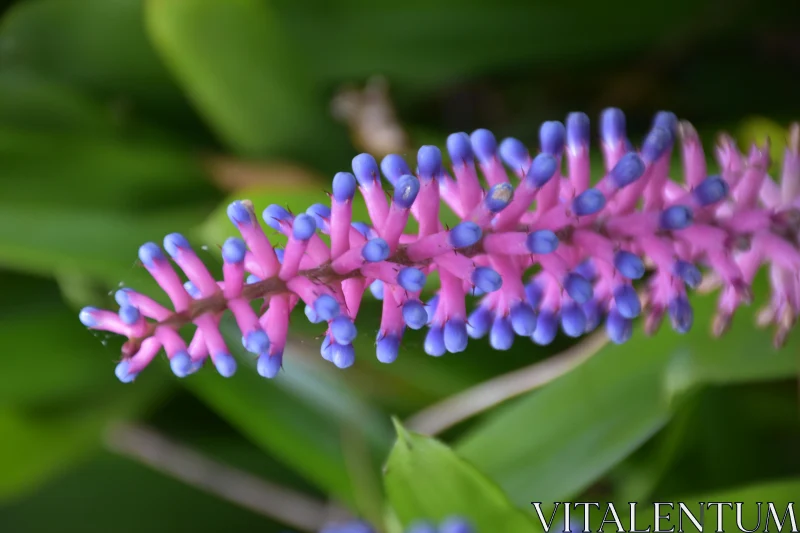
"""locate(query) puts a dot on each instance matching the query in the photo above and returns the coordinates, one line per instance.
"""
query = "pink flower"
(547, 253)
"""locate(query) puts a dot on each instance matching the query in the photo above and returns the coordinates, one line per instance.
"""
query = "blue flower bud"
(501, 336)
(406, 191)
(573, 320)
(376, 288)
(429, 162)
(129, 314)
(689, 273)
(710, 191)
(484, 145)
(465, 234)
(175, 242)
(343, 355)
(546, 328)
(343, 330)
(455, 336)
(479, 322)
(411, 279)
(586, 269)
(523, 319)
(192, 289)
(676, 217)
(629, 264)
(513, 153)
(311, 315)
(534, 293)
(387, 348)
(122, 372)
(434, 342)
(393, 166)
(326, 307)
(366, 170)
(181, 364)
(681, 314)
(239, 214)
(149, 253)
(325, 349)
(588, 202)
(322, 216)
(578, 130)
(233, 250)
(225, 364)
(414, 314)
(656, 144)
(551, 137)
(344, 187)
(618, 328)
(460, 149)
(256, 342)
(487, 279)
(268, 366)
(498, 197)
(612, 126)
(274, 214)
(579, 288)
(628, 169)
(375, 250)
(303, 227)
(543, 168)
(627, 301)
(542, 242)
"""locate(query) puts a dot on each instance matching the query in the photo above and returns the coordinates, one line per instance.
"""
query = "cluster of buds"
(449, 525)
(550, 252)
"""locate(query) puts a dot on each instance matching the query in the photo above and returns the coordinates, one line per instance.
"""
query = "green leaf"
(305, 417)
(633, 390)
(37, 446)
(424, 479)
(240, 71)
(96, 45)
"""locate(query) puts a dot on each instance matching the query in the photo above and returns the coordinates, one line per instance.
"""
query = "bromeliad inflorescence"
(547, 253)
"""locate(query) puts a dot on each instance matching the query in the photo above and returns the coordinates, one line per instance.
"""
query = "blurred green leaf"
(36, 446)
(302, 417)
(236, 65)
(656, 372)
(425, 480)
(96, 45)
(111, 493)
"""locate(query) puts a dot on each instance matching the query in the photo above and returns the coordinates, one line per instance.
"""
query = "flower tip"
(304, 227)
(668, 121)
(268, 366)
(149, 253)
(366, 170)
(376, 288)
(455, 336)
(343, 330)
(233, 250)
(387, 348)
(551, 137)
(681, 314)
(343, 355)
(710, 191)
(546, 328)
(543, 167)
(321, 214)
(573, 320)
(579, 288)
(656, 144)
(627, 301)
(459, 148)
(588, 202)
(542, 242)
(240, 213)
(406, 190)
(414, 314)
(498, 197)
(87, 317)
(129, 314)
(523, 319)
(326, 307)
(479, 322)
(627, 170)
(393, 166)
(465, 234)
(687, 133)
(192, 290)
(429, 162)
(612, 126)
(578, 131)
(256, 342)
(629, 264)
(122, 296)
(181, 364)
(375, 250)
(618, 328)
(122, 371)
(344, 186)
(225, 364)
(484, 145)
(411, 279)
(274, 214)
(513, 153)
(174, 242)
(487, 279)
(676, 217)
(434, 342)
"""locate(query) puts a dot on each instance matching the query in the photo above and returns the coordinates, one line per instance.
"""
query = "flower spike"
(543, 252)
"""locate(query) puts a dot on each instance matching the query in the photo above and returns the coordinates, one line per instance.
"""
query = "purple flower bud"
(311, 315)
(321, 214)
(627, 301)
(579, 288)
(498, 197)
(710, 191)
(551, 137)
(387, 348)
(406, 191)
(344, 187)
(667, 121)
(375, 250)
(676, 217)
(414, 314)
(326, 307)
(618, 328)
(149, 253)
(523, 319)
(87, 317)
(455, 336)
(268, 366)
(181, 364)
(225, 364)
(465, 234)
(460, 149)
(501, 336)
(233, 250)
(129, 314)
(587, 269)
(175, 242)
(533, 293)
(376, 288)
(366, 170)
(484, 145)
(629, 264)
(256, 342)
(629, 169)
(479, 322)
(657, 142)
(487, 279)
(578, 130)
(122, 372)
(429, 162)
(543, 168)
(593, 313)
(588, 202)
(430, 307)
(326, 348)
(434, 342)
(513, 153)
(680, 314)
(343, 355)
(546, 328)
(689, 273)
(612, 126)
(274, 214)
(573, 320)
(542, 242)
(393, 166)
(343, 330)
(411, 279)
(303, 227)
(239, 214)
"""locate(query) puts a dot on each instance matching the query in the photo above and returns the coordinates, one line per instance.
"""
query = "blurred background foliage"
(124, 120)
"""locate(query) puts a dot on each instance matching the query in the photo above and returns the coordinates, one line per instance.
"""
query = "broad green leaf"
(305, 417)
(550, 445)
(36, 446)
(99, 46)
(424, 479)
(241, 72)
